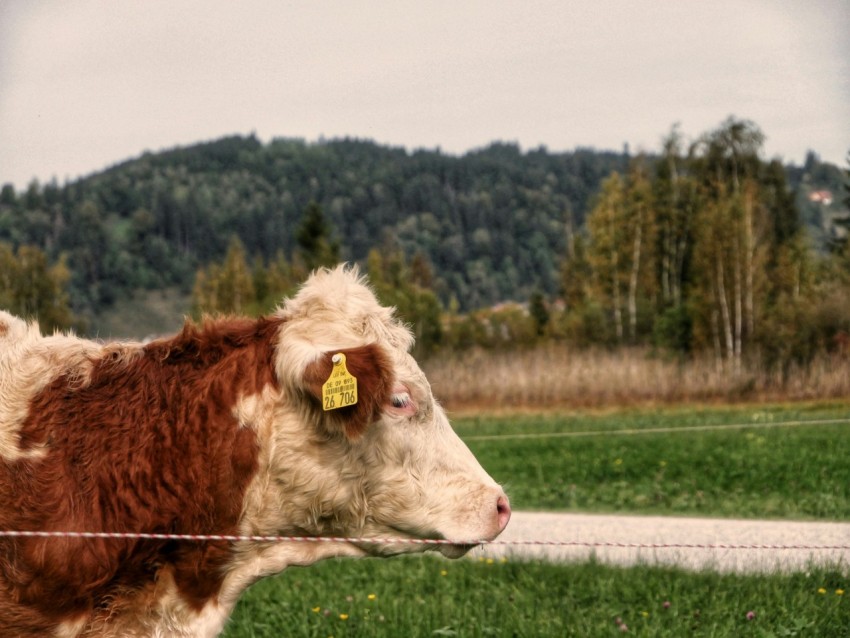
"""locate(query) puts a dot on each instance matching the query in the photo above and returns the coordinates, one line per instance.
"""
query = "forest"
(699, 246)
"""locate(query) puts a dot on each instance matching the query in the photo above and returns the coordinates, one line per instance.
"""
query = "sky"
(89, 83)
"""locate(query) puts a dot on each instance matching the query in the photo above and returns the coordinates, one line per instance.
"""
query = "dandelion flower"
(343, 616)
(821, 591)
(316, 610)
(490, 561)
(618, 462)
(443, 572)
(645, 614)
(839, 592)
(371, 596)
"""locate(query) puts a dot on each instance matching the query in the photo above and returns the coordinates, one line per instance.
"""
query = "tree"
(316, 247)
(8, 196)
(228, 287)
(779, 201)
(576, 274)
(279, 282)
(674, 204)
(847, 183)
(419, 307)
(729, 256)
(621, 226)
(606, 247)
(639, 220)
(539, 312)
(841, 246)
(30, 287)
(730, 153)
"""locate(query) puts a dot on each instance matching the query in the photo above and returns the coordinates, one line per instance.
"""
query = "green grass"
(797, 472)
(429, 596)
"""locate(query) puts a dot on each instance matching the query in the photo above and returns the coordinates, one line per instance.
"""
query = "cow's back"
(121, 438)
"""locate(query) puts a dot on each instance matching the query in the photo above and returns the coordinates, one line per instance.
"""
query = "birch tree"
(731, 249)
(621, 228)
(674, 195)
(606, 247)
(638, 221)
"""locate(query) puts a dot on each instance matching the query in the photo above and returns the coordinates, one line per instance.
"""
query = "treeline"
(699, 247)
(704, 250)
(491, 222)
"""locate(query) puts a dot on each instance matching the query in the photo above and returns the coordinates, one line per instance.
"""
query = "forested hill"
(493, 223)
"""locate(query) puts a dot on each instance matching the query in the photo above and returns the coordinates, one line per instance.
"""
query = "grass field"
(428, 596)
(614, 462)
(609, 461)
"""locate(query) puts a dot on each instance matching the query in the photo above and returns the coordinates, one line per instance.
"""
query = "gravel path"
(658, 530)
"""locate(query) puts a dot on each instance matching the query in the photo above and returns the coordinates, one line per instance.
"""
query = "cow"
(230, 427)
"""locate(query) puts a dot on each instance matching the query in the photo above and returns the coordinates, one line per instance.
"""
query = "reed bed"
(556, 376)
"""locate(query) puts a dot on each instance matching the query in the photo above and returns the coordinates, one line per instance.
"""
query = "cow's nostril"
(503, 510)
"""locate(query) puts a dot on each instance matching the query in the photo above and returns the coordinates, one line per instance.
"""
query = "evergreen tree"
(316, 246)
(841, 246)
(576, 274)
(226, 287)
(8, 197)
(539, 312)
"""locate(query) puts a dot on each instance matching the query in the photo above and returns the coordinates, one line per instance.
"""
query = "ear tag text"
(340, 390)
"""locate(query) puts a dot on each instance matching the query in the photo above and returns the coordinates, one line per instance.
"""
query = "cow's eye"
(401, 400)
(401, 403)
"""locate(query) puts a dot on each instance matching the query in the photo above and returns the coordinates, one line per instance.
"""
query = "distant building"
(821, 197)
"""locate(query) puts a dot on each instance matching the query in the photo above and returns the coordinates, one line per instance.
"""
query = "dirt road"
(592, 533)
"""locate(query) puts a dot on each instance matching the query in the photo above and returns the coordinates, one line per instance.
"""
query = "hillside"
(493, 223)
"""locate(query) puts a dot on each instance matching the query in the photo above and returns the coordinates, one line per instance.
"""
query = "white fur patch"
(29, 362)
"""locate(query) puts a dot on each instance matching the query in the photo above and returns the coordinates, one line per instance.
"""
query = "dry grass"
(555, 376)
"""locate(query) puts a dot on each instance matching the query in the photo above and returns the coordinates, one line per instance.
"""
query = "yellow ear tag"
(340, 390)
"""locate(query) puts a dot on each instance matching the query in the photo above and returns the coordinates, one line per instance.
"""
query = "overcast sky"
(87, 83)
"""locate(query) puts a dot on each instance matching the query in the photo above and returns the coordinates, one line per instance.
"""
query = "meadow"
(759, 462)
(425, 596)
(778, 461)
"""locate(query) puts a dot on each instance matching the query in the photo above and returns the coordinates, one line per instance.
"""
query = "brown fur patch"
(373, 371)
(150, 444)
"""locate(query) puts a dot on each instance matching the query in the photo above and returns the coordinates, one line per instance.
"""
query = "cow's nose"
(503, 511)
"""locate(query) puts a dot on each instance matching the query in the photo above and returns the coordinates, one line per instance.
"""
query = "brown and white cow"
(218, 430)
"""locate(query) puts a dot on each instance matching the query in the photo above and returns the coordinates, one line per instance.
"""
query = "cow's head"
(389, 465)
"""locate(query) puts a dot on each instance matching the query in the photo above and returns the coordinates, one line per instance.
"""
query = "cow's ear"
(371, 367)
